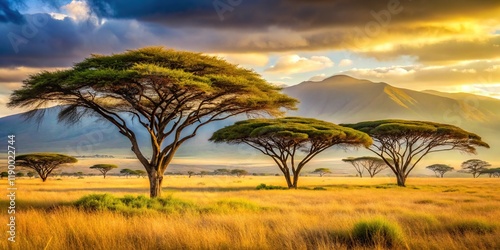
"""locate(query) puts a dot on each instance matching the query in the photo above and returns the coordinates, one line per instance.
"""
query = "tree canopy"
(440, 169)
(171, 94)
(322, 171)
(44, 163)
(104, 168)
(402, 144)
(283, 138)
(373, 165)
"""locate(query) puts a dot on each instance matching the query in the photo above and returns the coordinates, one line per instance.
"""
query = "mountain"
(345, 99)
(339, 99)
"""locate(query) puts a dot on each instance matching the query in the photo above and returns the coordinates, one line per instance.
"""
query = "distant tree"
(30, 174)
(203, 173)
(282, 139)
(239, 172)
(104, 168)
(127, 172)
(373, 165)
(402, 144)
(140, 173)
(322, 171)
(4, 174)
(19, 174)
(474, 167)
(222, 171)
(44, 163)
(190, 173)
(491, 172)
(171, 95)
(440, 169)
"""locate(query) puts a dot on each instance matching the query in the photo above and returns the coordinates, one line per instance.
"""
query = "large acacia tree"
(402, 144)
(283, 139)
(44, 163)
(171, 94)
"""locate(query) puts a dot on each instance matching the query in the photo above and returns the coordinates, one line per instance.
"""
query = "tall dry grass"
(431, 214)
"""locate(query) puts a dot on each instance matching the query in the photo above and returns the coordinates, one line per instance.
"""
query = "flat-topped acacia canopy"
(295, 129)
(282, 138)
(44, 163)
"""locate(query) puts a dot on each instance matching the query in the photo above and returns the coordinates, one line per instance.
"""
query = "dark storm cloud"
(293, 14)
(43, 41)
(9, 13)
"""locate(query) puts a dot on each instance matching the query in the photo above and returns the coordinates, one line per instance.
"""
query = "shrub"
(471, 226)
(319, 188)
(129, 203)
(269, 187)
(377, 232)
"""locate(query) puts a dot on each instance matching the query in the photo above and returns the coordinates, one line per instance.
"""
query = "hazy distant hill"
(338, 99)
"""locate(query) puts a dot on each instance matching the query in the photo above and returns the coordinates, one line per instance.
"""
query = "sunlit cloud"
(292, 64)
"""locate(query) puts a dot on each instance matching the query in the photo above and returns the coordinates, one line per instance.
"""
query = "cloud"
(345, 63)
(317, 78)
(447, 51)
(292, 64)
(432, 77)
(245, 59)
(8, 14)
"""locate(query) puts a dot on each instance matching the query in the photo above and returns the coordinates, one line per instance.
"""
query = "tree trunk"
(104, 176)
(43, 178)
(295, 180)
(155, 182)
(401, 180)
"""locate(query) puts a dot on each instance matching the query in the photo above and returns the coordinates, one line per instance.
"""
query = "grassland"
(228, 213)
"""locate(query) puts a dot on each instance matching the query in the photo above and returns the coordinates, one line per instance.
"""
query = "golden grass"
(432, 213)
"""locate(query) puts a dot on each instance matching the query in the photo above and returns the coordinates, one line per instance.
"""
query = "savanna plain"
(226, 212)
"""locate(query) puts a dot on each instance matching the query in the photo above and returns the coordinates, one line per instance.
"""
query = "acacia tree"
(44, 163)
(171, 94)
(203, 173)
(440, 169)
(127, 172)
(282, 139)
(492, 172)
(373, 165)
(474, 166)
(402, 144)
(239, 172)
(190, 173)
(322, 171)
(104, 168)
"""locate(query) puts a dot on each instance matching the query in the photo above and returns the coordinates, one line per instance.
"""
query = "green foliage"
(4, 174)
(263, 186)
(377, 232)
(471, 226)
(292, 128)
(129, 203)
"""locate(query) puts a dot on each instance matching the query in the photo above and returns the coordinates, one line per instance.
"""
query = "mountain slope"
(346, 99)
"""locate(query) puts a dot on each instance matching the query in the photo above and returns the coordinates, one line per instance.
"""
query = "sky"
(450, 46)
